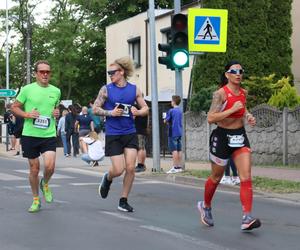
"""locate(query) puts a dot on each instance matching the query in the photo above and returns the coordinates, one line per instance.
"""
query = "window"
(135, 50)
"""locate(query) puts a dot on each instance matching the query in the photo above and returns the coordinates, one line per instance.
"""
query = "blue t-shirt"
(174, 119)
(84, 121)
(120, 125)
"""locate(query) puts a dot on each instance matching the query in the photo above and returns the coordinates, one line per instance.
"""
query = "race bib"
(41, 122)
(126, 110)
(236, 141)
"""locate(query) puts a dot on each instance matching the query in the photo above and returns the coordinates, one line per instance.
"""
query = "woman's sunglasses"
(236, 71)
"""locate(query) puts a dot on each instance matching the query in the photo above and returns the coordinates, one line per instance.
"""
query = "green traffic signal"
(180, 58)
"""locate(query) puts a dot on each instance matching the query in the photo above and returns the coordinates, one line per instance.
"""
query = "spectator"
(71, 131)
(61, 131)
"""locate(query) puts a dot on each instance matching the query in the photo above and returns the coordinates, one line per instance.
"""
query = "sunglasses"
(236, 71)
(112, 72)
(43, 72)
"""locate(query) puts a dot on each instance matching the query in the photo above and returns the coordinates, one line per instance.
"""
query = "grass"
(259, 183)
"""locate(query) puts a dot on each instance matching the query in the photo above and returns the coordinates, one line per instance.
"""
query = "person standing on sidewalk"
(116, 101)
(61, 131)
(37, 103)
(174, 120)
(229, 140)
(141, 126)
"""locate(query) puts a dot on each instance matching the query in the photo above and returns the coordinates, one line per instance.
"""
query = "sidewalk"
(166, 163)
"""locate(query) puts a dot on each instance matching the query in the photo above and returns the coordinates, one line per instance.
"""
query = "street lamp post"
(7, 52)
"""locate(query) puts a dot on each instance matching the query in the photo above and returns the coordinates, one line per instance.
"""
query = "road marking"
(82, 171)
(202, 243)
(120, 216)
(28, 186)
(139, 182)
(9, 177)
(55, 175)
(84, 184)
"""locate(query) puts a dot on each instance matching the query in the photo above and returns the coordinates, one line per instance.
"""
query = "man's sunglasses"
(112, 72)
(236, 71)
(43, 72)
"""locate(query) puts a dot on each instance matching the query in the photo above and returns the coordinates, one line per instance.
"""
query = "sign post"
(7, 93)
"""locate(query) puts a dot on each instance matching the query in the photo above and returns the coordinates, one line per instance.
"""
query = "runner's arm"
(16, 108)
(144, 109)
(99, 102)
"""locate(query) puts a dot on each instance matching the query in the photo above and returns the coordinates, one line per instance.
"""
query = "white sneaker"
(236, 180)
(174, 170)
(226, 180)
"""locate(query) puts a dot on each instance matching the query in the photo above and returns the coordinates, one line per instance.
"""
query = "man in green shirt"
(37, 103)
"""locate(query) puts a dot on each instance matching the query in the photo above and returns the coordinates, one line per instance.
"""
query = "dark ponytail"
(224, 79)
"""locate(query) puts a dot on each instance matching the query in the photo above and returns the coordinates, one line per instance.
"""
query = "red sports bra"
(231, 98)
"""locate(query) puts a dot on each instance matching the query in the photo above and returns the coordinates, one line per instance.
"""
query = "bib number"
(126, 109)
(236, 141)
(42, 122)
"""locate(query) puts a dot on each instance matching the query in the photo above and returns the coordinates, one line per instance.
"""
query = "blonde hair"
(65, 112)
(93, 135)
(126, 64)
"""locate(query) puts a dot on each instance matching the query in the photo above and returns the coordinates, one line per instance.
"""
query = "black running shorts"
(33, 147)
(115, 144)
(224, 142)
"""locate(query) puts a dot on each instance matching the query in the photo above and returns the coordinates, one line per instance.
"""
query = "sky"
(39, 15)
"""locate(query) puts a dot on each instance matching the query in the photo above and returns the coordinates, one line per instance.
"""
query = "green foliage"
(285, 97)
(259, 35)
(201, 101)
(259, 89)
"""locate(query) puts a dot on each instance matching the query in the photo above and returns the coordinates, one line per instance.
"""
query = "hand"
(251, 120)
(237, 106)
(56, 113)
(33, 114)
(134, 111)
(116, 111)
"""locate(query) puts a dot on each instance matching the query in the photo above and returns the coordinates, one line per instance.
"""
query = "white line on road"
(84, 184)
(55, 176)
(120, 216)
(202, 243)
(28, 186)
(82, 171)
(10, 177)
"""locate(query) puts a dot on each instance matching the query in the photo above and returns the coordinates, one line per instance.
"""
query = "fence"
(275, 139)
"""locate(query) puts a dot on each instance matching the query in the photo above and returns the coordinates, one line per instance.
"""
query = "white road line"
(9, 177)
(202, 243)
(55, 175)
(82, 171)
(120, 216)
(84, 184)
(28, 186)
(141, 182)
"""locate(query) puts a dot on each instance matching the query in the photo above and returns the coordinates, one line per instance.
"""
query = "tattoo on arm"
(216, 104)
(99, 102)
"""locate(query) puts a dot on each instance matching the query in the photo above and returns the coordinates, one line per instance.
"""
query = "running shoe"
(175, 170)
(236, 180)
(35, 206)
(249, 223)
(46, 191)
(205, 212)
(104, 186)
(140, 168)
(226, 180)
(124, 206)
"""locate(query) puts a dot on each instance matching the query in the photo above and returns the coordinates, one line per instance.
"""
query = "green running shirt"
(44, 100)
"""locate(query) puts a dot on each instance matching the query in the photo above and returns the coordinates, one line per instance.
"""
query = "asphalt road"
(165, 218)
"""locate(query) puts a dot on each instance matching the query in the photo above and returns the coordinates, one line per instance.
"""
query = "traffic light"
(166, 60)
(179, 41)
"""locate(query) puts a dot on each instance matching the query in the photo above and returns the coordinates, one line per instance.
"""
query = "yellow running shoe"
(36, 205)
(46, 191)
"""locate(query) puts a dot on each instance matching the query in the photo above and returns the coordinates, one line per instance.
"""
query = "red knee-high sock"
(246, 196)
(210, 188)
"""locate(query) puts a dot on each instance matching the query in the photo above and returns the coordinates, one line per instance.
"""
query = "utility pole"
(28, 50)
(7, 52)
(154, 92)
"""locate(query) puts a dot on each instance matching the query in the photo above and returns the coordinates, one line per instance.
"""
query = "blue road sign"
(7, 93)
(207, 30)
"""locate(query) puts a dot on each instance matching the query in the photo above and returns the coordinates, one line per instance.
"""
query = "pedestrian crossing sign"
(207, 30)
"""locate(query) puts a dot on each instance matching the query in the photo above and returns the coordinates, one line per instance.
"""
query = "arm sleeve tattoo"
(99, 102)
(216, 104)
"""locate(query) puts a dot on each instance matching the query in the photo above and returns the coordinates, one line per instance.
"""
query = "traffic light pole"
(154, 91)
(179, 88)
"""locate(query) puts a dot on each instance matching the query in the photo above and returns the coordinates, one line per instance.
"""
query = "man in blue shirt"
(174, 120)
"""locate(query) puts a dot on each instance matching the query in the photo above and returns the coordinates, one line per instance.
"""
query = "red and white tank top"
(231, 98)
